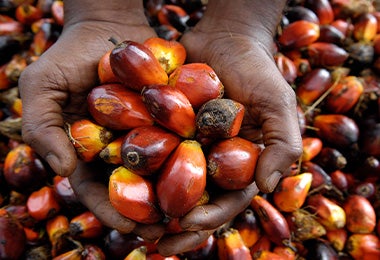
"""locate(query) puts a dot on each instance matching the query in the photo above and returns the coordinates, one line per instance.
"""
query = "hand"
(236, 41)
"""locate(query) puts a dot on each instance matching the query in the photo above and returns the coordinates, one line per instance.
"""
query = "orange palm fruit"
(231, 162)
(323, 10)
(291, 192)
(311, 147)
(286, 252)
(73, 254)
(173, 15)
(182, 180)
(264, 243)
(304, 225)
(337, 238)
(43, 38)
(198, 82)
(231, 246)
(302, 66)
(139, 253)
(112, 152)
(136, 66)
(329, 213)
(299, 34)
(57, 229)
(8, 25)
(144, 149)
(12, 236)
(336, 129)
(220, 118)
(133, 196)
(23, 169)
(86, 225)
(363, 246)
(313, 85)
(326, 54)
(345, 95)
(170, 108)
(361, 216)
(57, 12)
(272, 220)
(88, 138)
(105, 72)
(118, 108)
(365, 27)
(248, 226)
(27, 13)
(170, 54)
(286, 66)
(93, 251)
(267, 255)
(43, 204)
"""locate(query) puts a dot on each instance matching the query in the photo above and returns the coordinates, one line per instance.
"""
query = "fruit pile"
(150, 129)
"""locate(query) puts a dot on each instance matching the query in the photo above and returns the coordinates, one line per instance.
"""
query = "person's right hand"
(54, 88)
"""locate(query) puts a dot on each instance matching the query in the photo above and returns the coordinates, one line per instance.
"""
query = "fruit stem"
(113, 40)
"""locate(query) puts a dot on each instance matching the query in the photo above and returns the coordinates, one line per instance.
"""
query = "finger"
(183, 242)
(43, 122)
(219, 211)
(150, 233)
(94, 195)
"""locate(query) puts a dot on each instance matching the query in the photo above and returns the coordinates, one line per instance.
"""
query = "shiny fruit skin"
(361, 216)
(198, 82)
(248, 226)
(323, 10)
(133, 196)
(363, 246)
(365, 27)
(286, 66)
(43, 204)
(311, 147)
(182, 180)
(170, 54)
(170, 108)
(118, 108)
(112, 152)
(231, 163)
(136, 66)
(105, 72)
(12, 237)
(324, 54)
(231, 246)
(144, 149)
(86, 225)
(220, 118)
(299, 34)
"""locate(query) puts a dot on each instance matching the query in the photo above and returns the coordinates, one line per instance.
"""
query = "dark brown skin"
(234, 38)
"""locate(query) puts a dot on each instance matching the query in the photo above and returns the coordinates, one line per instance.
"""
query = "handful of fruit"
(168, 130)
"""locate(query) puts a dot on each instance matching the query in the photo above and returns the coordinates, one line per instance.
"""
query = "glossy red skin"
(182, 180)
(171, 109)
(133, 196)
(136, 66)
(361, 216)
(118, 108)
(149, 147)
(326, 54)
(299, 34)
(12, 237)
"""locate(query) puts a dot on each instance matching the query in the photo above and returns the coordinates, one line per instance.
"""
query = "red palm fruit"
(206, 250)
(105, 72)
(272, 220)
(21, 213)
(299, 34)
(320, 178)
(44, 38)
(57, 12)
(133, 196)
(263, 243)
(331, 159)
(345, 95)
(337, 238)
(34, 235)
(88, 138)
(267, 255)
(344, 26)
(5, 82)
(182, 180)
(170, 108)
(363, 246)
(168, 32)
(365, 27)
(312, 146)
(286, 66)
(16, 108)
(170, 54)
(299, 12)
(339, 180)
(323, 10)
(92, 251)
(145, 149)
(65, 193)
(27, 13)
(248, 226)
(367, 189)
(331, 34)
(326, 54)
(361, 216)
(116, 107)
(43, 204)
(86, 225)
(376, 44)
(301, 116)
(291, 192)
(286, 252)
(231, 246)
(174, 15)
(302, 66)
(370, 139)
(320, 248)
(112, 152)
(220, 118)
(198, 82)
(57, 229)
(231, 162)
(313, 85)
(139, 253)
(304, 225)
(337, 129)
(328, 213)
(9, 25)
(12, 237)
(158, 256)
(136, 66)
(23, 170)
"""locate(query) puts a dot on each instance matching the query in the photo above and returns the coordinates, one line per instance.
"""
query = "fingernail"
(273, 180)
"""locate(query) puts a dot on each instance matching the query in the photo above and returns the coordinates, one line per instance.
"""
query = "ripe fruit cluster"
(166, 127)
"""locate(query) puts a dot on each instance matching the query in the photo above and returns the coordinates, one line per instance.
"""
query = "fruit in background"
(136, 66)
(198, 82)
(43, 203)
(361, 216)
(231, 246)
(299, 34)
